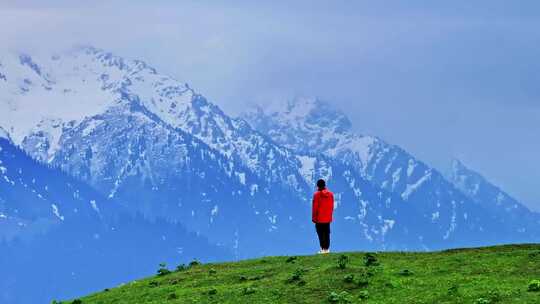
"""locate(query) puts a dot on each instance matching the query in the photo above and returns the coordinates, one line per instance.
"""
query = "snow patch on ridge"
(307, 168)
(388, 225)
(94, 205)
(411, 188)
(56, 212)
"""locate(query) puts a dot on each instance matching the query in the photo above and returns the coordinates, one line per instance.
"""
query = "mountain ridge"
(317, 144)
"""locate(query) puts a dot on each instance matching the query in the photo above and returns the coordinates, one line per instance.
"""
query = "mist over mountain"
(170, 167)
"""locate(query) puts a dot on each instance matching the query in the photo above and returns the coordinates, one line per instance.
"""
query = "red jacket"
(323, 206)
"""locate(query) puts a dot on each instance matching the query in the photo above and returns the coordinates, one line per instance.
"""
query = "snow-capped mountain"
(188, 160)
(132, 132)
(154, 143)
(309, 124)
(56, 229)
(44, 97)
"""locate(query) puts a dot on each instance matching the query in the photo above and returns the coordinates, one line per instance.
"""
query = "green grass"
(499, 274)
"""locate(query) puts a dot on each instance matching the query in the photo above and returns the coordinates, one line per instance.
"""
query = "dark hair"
(321, 184)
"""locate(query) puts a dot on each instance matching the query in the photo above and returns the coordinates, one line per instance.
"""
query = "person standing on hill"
(322, 209)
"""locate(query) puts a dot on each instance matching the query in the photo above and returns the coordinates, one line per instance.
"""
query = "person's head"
(321, 184)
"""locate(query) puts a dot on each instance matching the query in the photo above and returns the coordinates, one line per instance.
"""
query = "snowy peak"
(306, 125)
(302, 110)
(42, 96)
(90, 58)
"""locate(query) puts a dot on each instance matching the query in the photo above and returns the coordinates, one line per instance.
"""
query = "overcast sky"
(453, 79)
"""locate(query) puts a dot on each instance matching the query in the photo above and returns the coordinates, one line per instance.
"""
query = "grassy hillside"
(502, 274)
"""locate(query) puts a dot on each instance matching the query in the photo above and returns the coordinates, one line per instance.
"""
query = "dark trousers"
(323, 231)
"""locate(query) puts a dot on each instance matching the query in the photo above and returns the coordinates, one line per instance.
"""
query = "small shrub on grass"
(362, 282)
(172, 296)
(363, 295)
(296, 276)
(405, 273)
(348, 278)
(494, 296)
(76, 301)
(342, 297)
(153, 284)
(300, 271)
(333, 297)
(56, 302)
(212, 291)
(291, 259)
(194, 263)
(256, 278)
(182, 267)
(491, 298)
(534, 286)
(367, 272)
(370, 259)
(343, 260)
(454, 290)
(163, 270)
(212, 271)
(482, 301)
(249, 290)
(243, 278)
